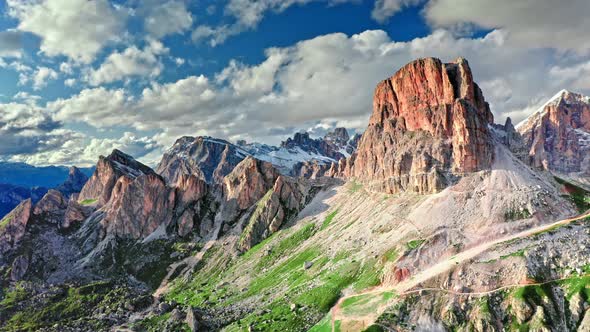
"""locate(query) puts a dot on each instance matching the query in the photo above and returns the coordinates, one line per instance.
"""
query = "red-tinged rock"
(138, 206)
(429, 126)
(108, 171)
(190, 191)
(558, 135)
(248, 182)
(13, 226)
(75, 213)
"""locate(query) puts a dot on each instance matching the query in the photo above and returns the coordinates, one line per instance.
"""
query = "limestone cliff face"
(190, 204)
(138, 206)
(248, 182)
(558, 135)
(429, 125)
(285, 199)
(13, 226)
(108, 171)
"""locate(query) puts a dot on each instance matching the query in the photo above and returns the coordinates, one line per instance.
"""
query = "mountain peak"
(563, 96)
(446, 119)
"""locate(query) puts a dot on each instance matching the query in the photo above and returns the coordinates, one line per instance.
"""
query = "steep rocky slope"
(558, 135)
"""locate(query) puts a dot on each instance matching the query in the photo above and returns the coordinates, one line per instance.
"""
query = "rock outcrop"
(190, 203)
(108, 171)
(138, 206)
(312, 169)
(74, 183)
(51, 208)
(429, 126)
(204, 157)
(284, 200)
(13, 226)
(558, 135)
(245, 185)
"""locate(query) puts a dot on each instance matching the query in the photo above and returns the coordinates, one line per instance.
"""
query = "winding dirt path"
(405, 287)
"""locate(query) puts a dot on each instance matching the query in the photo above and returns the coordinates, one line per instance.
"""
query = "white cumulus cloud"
(78, 29)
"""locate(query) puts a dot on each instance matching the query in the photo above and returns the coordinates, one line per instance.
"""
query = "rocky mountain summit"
(440, 220)
(429, 126)
(212, 159)
(558, 134)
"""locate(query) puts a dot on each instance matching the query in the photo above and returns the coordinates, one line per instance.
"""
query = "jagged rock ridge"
(558, 134)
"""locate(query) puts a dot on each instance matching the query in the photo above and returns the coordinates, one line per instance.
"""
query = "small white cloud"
(66, 68)
(70, 82)
(384, 9)
(163, 18)
(26, 97)
(41, 76)
(131, 62)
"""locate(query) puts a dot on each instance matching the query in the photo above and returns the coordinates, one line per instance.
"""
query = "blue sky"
(79, 77)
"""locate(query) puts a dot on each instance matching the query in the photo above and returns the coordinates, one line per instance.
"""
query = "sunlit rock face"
(429, 125)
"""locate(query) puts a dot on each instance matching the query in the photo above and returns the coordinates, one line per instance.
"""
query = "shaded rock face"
(190, 203)
(334, 145)
(108, 171)
(204, 157)
(20, 265)
(312, 169)
(51, 208)
(558, 135)
(284, 200)
(13, 226)
(509, 136)
(74, 183)
(75, 214)
(429, 125)
(245, 185)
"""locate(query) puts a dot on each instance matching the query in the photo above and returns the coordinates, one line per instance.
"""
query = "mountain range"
(434, 219)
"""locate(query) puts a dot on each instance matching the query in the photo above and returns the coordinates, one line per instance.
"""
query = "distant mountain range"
(28, 176)
(19, 181)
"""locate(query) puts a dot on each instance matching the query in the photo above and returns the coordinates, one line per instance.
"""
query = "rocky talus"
(429, 125)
